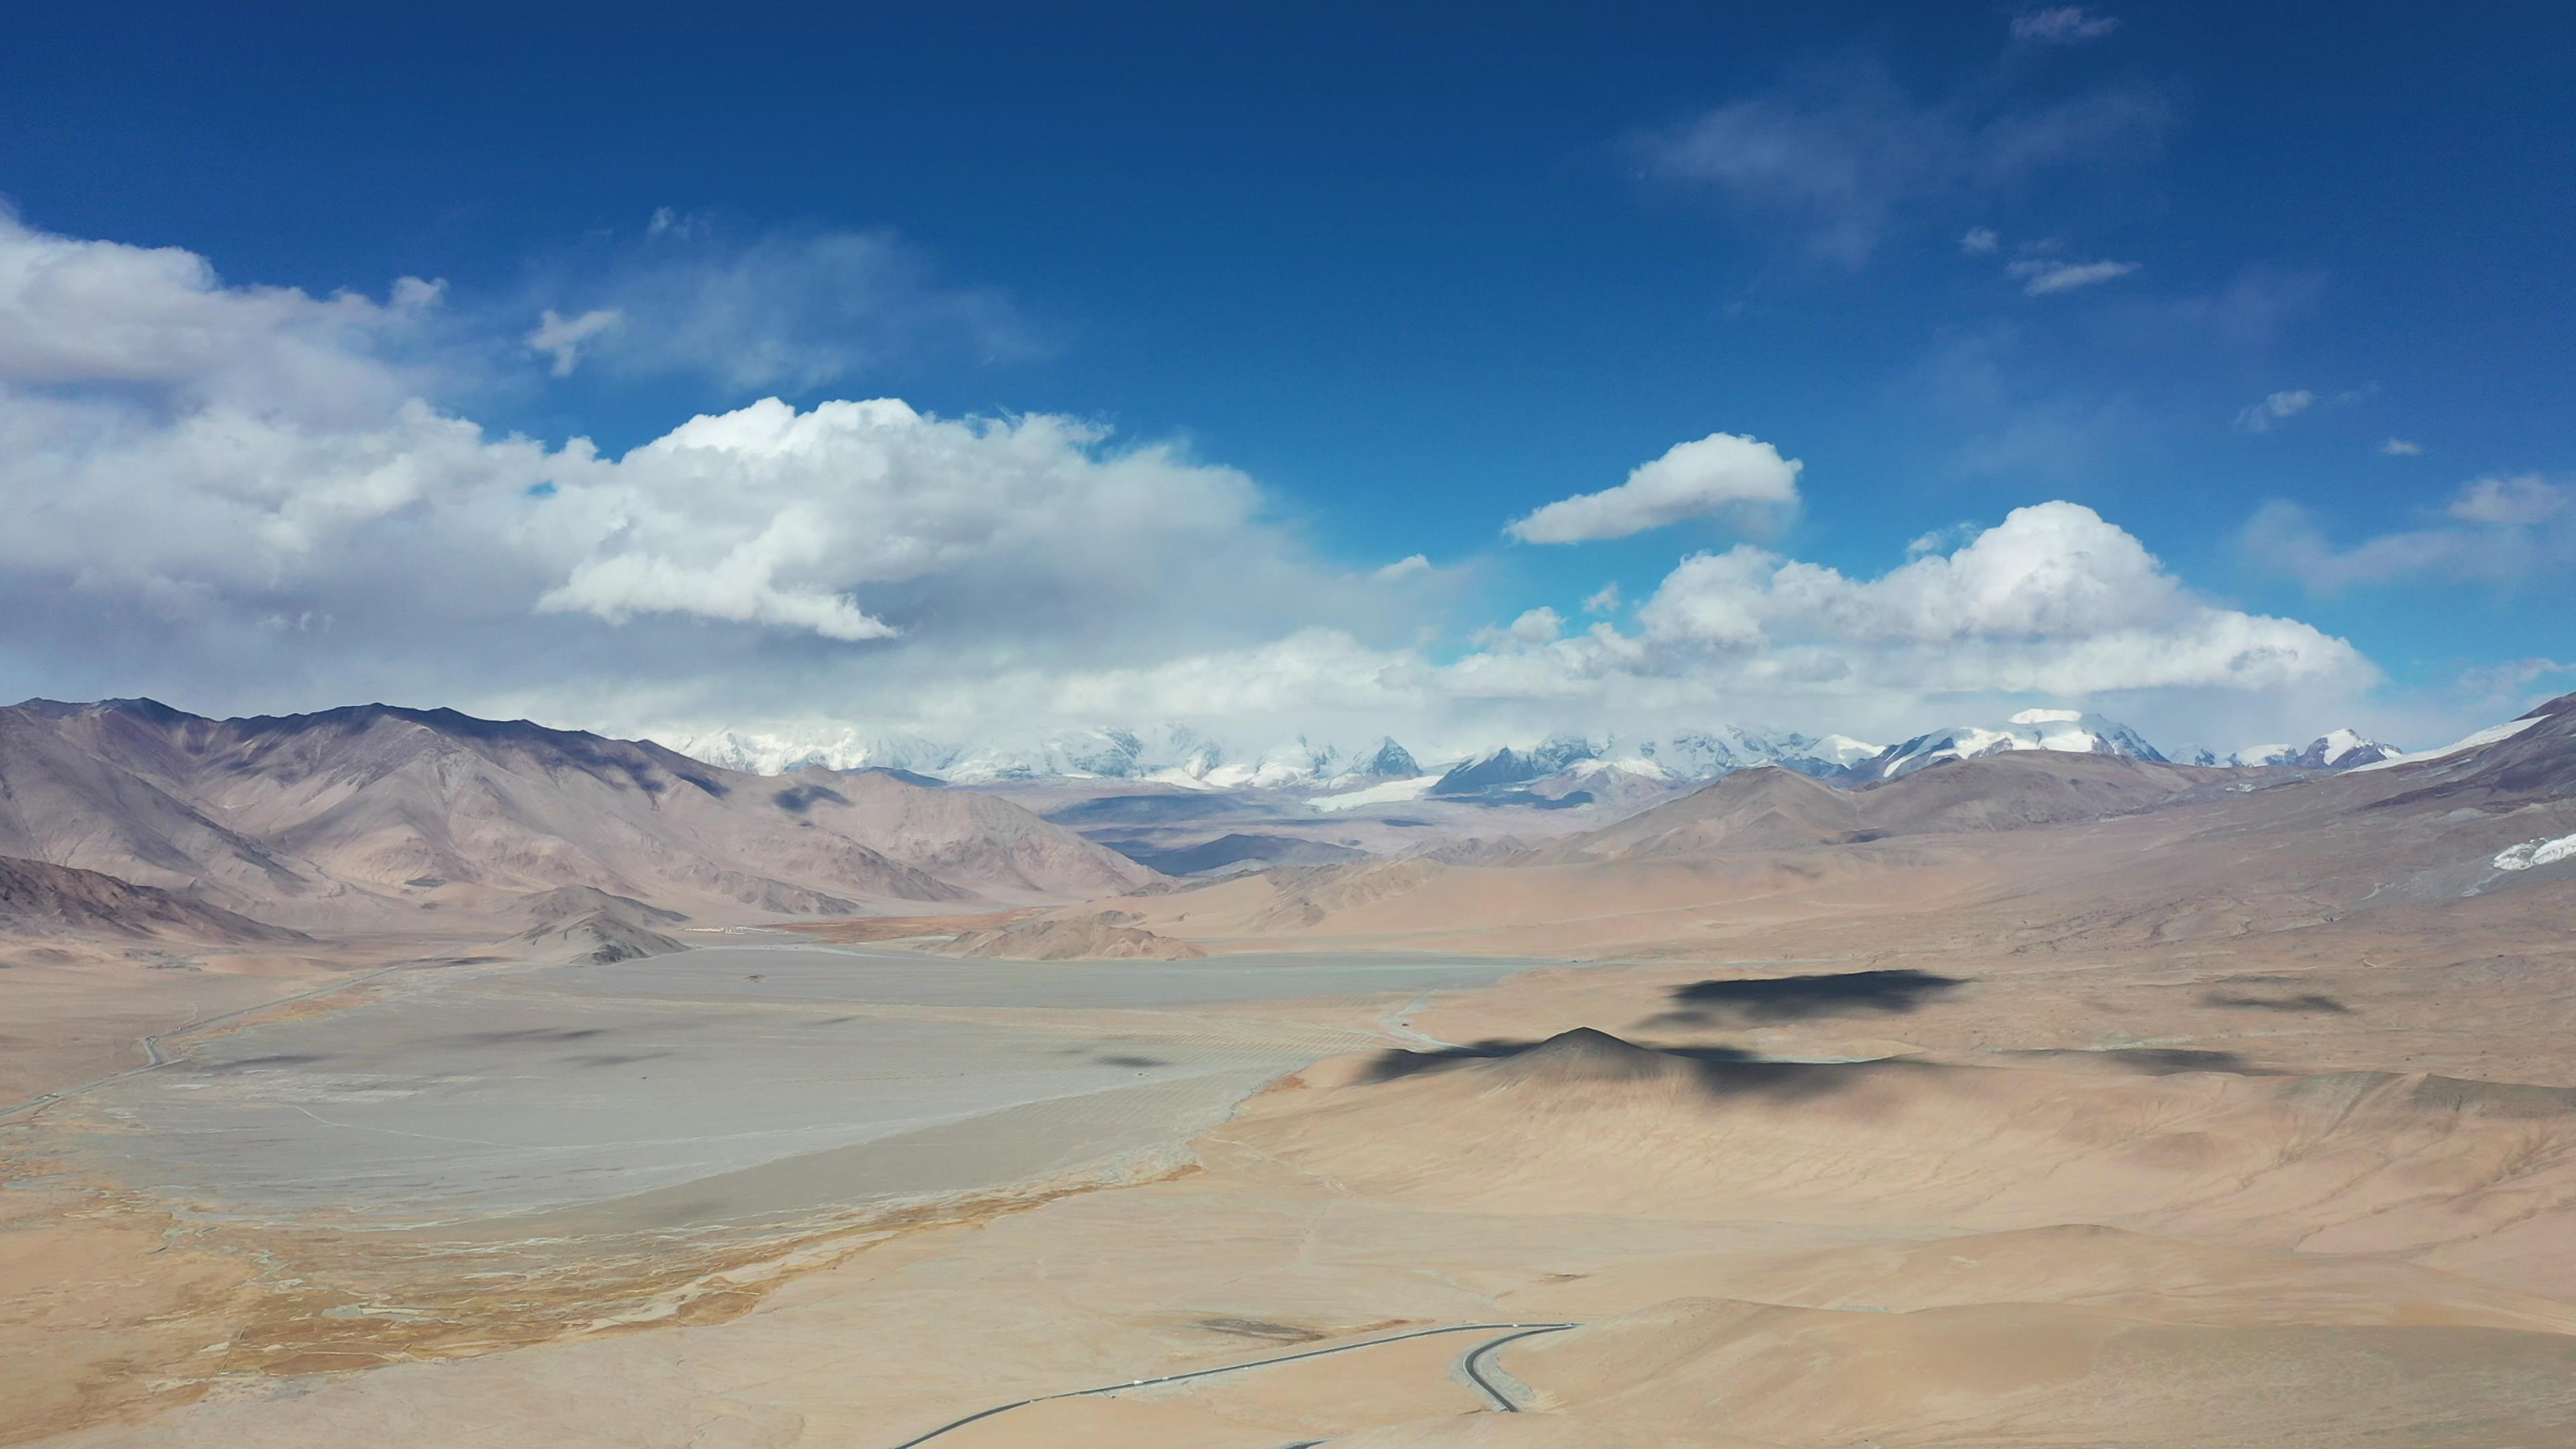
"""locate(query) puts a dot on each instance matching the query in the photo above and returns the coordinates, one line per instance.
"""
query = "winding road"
(1470, 1364)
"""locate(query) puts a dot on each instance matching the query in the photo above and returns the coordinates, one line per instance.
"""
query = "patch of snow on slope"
(2536, 852)
(1390, 792)
(2486, 736)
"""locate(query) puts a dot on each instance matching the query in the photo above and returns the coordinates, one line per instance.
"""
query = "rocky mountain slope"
(39, 900)
(376, 812)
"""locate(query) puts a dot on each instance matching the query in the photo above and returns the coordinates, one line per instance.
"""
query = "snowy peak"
(2065, 730)
(1177, 754)
(1388, 761)
(2334, 750)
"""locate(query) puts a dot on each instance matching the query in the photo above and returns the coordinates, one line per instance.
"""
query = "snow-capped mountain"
(1707, 754)
(1690, 757)
(1169, 753)
(1557, 767)
(2032, 729)
(2333, 750)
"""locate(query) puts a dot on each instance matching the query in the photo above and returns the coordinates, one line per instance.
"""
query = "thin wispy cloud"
(2508, 531)
(2401, 448)
(2261, 417)
(2041, 276)
(754, 310)
(560, 338)
(1843, 158)
(1979, 241)
(2062, 25)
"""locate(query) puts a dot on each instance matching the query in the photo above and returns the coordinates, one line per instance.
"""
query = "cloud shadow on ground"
(2307, 1002)
(1743, 1001)
(1714, 1071)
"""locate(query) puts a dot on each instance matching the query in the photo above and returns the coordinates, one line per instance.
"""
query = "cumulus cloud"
(2401, 448)
(560, 338)
(75, 312)
(1844, 157)
(1603, 600)
(1979, 241)
(2053, 598)
(2039, 276)
(2062, 25)
(1724, 473)
(2506, 531)
(2259, 417)
(233, 488)
(1405, 567)
(250, 499)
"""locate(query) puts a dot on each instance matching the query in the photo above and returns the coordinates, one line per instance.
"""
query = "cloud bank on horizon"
(256, 494)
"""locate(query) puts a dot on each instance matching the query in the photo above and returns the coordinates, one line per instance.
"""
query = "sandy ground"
(2062, 1137)
(448, 1158)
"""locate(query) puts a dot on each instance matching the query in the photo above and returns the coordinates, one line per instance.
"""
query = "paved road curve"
(1519, 1330)
(1473, 1364)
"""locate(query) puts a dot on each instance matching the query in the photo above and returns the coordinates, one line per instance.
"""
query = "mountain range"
(1549, 770)
(363, 817)
(370, 815)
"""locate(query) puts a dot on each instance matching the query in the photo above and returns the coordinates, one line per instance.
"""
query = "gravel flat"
(732, 1084)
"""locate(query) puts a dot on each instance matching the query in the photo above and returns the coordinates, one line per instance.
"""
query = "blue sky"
(2193, 268)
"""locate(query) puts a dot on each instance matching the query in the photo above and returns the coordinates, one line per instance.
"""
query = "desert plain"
(2032, 1100)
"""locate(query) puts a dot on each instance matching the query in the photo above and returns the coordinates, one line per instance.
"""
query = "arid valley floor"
(2032, 1100)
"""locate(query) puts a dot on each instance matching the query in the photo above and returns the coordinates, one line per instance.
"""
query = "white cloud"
(1603, 600)
(1723, 473)
(2062, 25)
(560, 338)
(103, 314)
(246, 498)
(2259, 417)
(1979, 241)
(1405, 567)
(2053, 601)
(2053, 598)
(2401, 448)
(1941, 540)
(198, 465)
(1538, 626)
(2504, 531)
(2040, 276)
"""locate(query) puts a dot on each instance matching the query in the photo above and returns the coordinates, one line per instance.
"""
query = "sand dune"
(2051, 1373)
